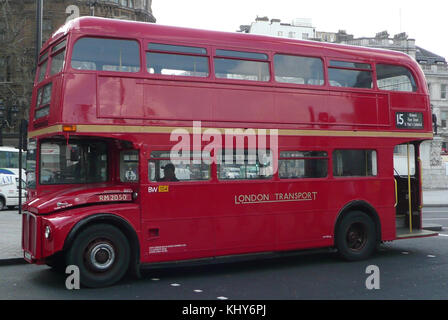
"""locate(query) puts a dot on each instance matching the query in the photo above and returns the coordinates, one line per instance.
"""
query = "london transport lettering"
(275, 197)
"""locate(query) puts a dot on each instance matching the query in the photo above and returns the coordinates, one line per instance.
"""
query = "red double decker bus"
(340, 128)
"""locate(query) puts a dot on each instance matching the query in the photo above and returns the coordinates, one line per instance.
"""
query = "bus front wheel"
(102, 254)
(356, 236)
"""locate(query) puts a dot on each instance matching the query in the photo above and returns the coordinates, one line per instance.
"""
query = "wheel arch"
(363, 206)
(114, 220)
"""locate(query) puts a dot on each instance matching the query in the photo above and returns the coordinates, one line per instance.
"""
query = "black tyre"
(356, 237)
(2, 204)
(102, 254)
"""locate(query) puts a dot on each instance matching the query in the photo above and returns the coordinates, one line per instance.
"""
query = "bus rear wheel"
(102, 254)
(356, 236)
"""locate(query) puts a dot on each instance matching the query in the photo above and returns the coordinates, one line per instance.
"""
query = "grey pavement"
(10, 237)
(435, 198)
(11, 226)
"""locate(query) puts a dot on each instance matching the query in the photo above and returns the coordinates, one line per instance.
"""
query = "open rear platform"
(403, 233)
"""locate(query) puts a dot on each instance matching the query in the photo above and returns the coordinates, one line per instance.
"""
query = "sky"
(425, 21)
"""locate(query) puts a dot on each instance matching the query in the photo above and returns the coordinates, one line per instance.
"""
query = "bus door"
(175, 207)
(407, 188)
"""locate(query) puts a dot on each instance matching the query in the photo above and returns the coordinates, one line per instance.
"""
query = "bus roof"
(122, 28)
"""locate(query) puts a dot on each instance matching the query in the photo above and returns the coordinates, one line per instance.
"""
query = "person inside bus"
(168, 173)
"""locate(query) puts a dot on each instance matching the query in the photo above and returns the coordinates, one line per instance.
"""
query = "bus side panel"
(243, 226)
(307, 107)
(79, 99)
(174, 101)
(305, 219)
(244, 105)
(177, 221)
(117, 97)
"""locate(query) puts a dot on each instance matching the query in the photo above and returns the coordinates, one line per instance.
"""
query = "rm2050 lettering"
(115, 197)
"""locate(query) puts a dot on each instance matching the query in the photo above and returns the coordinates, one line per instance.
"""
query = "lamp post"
(39, 13)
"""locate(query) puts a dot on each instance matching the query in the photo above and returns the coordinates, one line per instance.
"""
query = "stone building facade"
(18, 45)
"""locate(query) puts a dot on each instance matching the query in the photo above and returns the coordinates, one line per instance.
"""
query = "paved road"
(409, 269)
(437, 215)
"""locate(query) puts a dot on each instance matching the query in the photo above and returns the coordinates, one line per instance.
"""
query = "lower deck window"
(302, 164)
(129, 166)
(360, 163)
(167, 167)
(245, 164)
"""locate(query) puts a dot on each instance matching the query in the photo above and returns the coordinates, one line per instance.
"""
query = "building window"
(305, 36)
(292, 34)
(5, 69)
(443, 88)
(444, 118)
(280, 33)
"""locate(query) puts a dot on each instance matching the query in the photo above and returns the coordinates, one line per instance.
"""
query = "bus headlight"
(47, 232)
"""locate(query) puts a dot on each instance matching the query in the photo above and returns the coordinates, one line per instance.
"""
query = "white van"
(9, 188)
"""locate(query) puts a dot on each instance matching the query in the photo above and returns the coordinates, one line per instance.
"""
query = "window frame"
(124, 74)
(221, 151)
(333, 164)
(55, 50)
(153, 159)
(410, 70)
(268, 60)
(280, 158)
(180, 53)
(43, 59)
(122, 162)
(304, 85)
(372, 71)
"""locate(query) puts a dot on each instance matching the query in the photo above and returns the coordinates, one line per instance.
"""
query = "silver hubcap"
(102, 256)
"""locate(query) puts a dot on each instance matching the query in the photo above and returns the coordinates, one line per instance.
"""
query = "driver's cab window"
(129, 166)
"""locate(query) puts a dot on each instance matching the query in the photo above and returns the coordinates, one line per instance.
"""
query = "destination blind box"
(409, 120)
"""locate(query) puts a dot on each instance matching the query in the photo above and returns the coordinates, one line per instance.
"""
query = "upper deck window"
(106, 55)
(43, 61)
(298, 70)
(234, 67)
(395, 78)
(57, 58)
(350, 74)
(175, 60)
